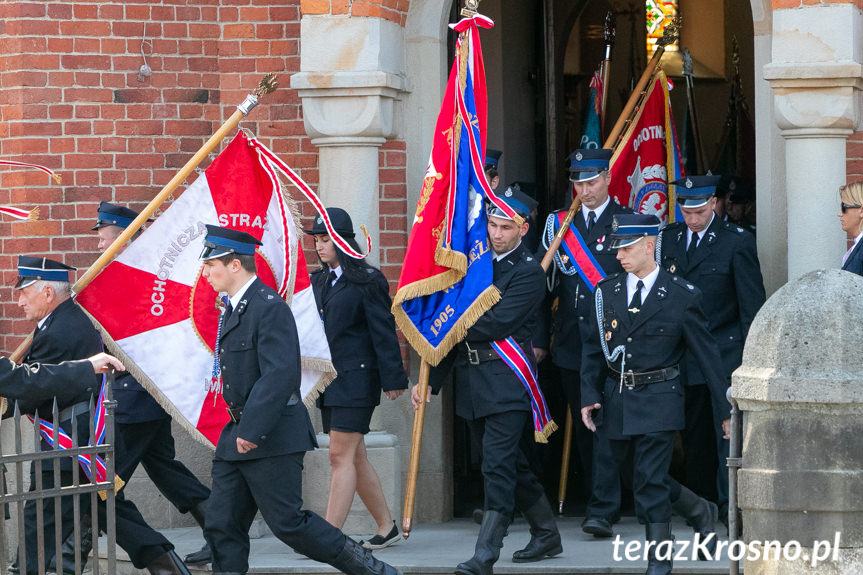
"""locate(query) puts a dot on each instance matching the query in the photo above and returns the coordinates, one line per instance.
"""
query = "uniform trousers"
(699, 442)
(151, 444)
(651, 485)
(273, 485)
(139, 540)
(507, 478)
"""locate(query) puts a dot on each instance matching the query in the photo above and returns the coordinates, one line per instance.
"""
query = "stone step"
(437, 549)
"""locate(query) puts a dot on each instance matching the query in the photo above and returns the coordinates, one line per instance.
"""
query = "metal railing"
(734, 463)
(64, 486)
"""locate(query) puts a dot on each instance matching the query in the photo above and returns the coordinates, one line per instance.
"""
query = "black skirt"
(347, 419)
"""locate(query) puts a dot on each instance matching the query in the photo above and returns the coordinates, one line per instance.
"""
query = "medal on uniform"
(672, 268)
(614, 324)
(599, 246)
(608, 336)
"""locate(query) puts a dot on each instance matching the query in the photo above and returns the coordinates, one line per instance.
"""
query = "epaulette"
(683, 283)
(611, 277)
(267, 297)
(673, 226)
(733, 227)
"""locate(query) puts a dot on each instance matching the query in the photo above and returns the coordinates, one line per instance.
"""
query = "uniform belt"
(481, 352)
(69, 413)
(236, 413)
(631, 379)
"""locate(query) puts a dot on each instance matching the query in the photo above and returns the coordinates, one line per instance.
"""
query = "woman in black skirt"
(353, 300)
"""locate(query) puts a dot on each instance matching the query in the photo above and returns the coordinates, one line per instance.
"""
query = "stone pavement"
(438, 548)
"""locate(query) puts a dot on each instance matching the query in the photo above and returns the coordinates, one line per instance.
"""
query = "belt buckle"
(629, 379)
(472, 354)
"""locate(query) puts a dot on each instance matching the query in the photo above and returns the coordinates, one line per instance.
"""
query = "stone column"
(801, 390)
(816, 76)
(351, 73)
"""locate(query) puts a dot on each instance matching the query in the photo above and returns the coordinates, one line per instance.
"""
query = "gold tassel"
(34, 213)
(118, 485)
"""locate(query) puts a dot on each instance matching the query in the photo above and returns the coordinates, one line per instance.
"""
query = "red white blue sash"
(513, 356)
(88, 463)
(578, 254)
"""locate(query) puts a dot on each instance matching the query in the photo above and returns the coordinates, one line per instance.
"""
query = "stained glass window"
(658, 14)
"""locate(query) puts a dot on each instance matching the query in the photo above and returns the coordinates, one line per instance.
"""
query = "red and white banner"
(155, 307)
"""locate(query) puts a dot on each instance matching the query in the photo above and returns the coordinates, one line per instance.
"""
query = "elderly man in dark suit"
(64, 333)
(258, 462)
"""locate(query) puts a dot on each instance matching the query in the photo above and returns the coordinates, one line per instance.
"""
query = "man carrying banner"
(259, 456)
(721, 260)
(142, 425)
(494, 366)
(15, 378)
(584, 258)
(64, 333)
(645, 320)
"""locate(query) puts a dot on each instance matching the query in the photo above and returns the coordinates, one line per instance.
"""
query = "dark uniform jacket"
(492, 387)
(854, 263)
(575, 300)
(65, 335)
(670, 323)
(725, 268)
(38, 380)
(259, 351)
(361, 333)
(134, 403)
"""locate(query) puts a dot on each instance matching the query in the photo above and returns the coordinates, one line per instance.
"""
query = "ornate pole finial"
(267, 85)
(671, 33)
(471, 7)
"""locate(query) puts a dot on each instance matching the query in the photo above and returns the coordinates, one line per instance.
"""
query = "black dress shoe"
(597, 526)
(203, 555)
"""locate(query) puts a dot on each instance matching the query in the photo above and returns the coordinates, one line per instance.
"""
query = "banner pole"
(416, 445)
(267, 85)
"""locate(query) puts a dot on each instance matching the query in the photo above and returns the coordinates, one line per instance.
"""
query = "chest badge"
(614, 324)
(672, 268)
(608, 336)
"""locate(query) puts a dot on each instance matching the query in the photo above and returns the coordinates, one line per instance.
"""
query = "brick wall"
(71, 98)
(392, 10)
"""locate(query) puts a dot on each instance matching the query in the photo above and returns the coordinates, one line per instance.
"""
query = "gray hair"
(61, 289)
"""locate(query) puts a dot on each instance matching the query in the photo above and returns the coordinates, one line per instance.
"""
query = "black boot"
(659, 562)
(204, 554)
(354, 559)
(488, 544)
(68, 548)
(544, 536)
(168, 563)
(701, 515)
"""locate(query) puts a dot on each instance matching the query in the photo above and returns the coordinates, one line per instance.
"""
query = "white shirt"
(632, 281)
(235, 299)
(338, 271)
(700, 234)
(499, 257)
(598, 211)
(42, 321)
(851, 249)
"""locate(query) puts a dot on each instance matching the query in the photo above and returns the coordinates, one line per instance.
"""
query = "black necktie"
(693, 243)
(330, 279)
(228, 309)
(591, 219)
(635, 304)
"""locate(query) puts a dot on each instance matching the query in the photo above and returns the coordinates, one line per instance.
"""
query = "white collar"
(42, 321)
(857, 239)
(235, 299)
(632, 281)
(689, 232)
(598, 211)
(501, 256)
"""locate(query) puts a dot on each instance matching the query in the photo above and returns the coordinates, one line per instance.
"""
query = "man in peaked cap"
(719, 258)
(492, 399)
(492, 159)
(631, 388)
(63, 333)
(258, 462)
(590, 180)
(142, 425)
